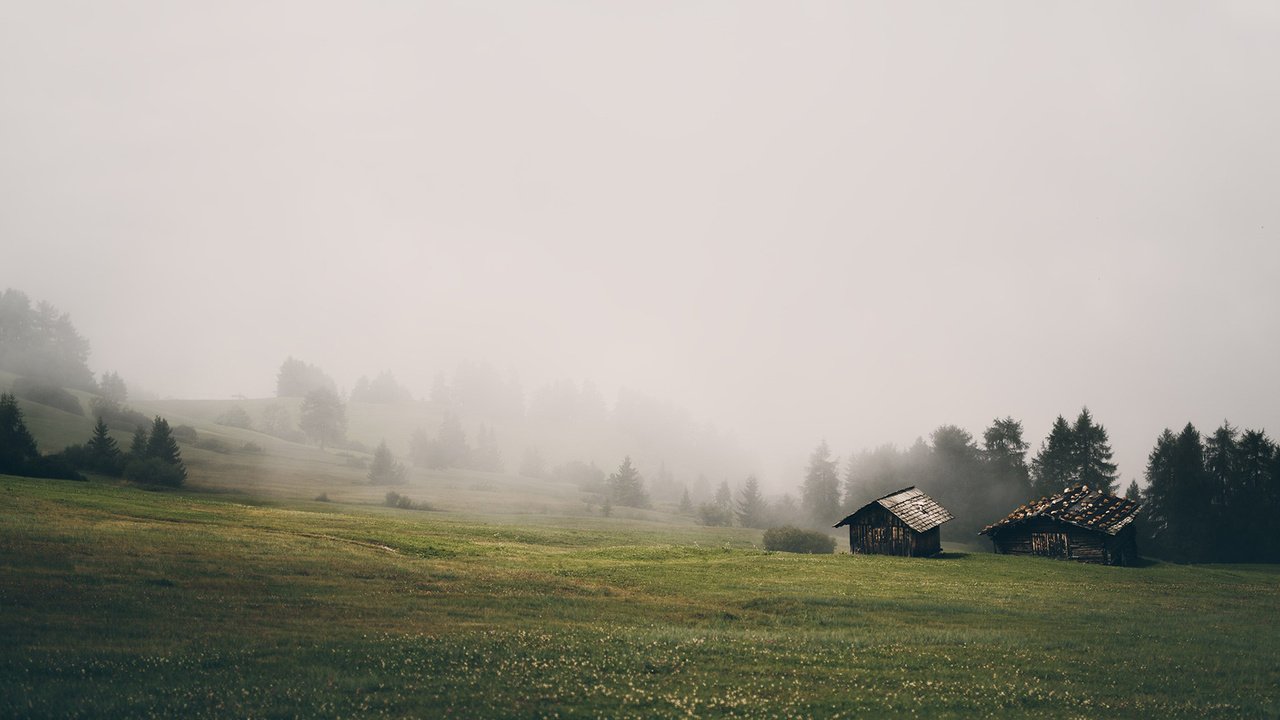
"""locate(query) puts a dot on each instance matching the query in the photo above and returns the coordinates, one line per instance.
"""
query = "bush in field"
(404, 502)
(46, 394)
(790, 539)
(235, 416)
(185, 433)
(154, 471)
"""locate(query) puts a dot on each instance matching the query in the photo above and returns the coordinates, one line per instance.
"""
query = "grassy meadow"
(123, 602)
(242, 595)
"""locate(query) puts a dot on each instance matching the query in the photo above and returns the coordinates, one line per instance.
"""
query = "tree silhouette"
(323, 417)
(626, 487)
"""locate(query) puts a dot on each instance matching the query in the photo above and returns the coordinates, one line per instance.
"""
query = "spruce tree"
(1255, 498)
(138, 445)
(162, 446)
(385, 469)
(104, 454)
(1005, 454)
(751, 507)
(820, 493)
(1092, 451)
(1053, 468)
(18, 448)
(626, 487)
(686, 503)
(450, 448)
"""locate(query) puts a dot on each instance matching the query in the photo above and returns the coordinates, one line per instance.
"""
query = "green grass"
(120, 602)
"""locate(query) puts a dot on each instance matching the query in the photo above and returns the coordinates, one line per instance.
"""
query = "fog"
(850, 221)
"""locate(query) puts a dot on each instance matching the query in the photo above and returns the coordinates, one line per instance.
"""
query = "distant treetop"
(41, 343)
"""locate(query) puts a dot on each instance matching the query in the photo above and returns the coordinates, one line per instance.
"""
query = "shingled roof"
(1086, 507)
(919, 511)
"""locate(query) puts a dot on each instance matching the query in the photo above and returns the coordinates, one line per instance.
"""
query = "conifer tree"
(385, 469)
(626, 487)
(162, 446)
(820, 493)
(1005, 454)
(104, 453)
(686, 503)
(451, 443)
(138, 445)
(1092, 451)
(18, 448)
(751, 509)
(487, 456)
(1053, 468)
(323, 417)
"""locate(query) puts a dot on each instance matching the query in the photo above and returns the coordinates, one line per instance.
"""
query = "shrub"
(154, 471)
(235, 416)
(322, 497)
(46, 394)
(404, 502)
(55, 466)
(790, 539)
(185, 433)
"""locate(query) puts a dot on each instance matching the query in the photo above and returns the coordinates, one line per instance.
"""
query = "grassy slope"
(118, 601)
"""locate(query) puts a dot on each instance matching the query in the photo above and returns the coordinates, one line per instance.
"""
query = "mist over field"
(509, 359)
(846, 221)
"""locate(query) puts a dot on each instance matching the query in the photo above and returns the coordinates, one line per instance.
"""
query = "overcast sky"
(800, 220)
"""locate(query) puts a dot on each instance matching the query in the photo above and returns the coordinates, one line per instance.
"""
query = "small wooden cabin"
(904, 522)
(1078, 523)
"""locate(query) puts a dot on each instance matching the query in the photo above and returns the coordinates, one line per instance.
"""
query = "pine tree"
(1005, 454)
(686, 503)
(1255, 497)
(1053, 468)
(138, 445)
(751, 509)
(1179, 492)
(162, 446)
(450, 448)
(724, 496)
(820, 493)
(323, 417)
(1092, 452)
(18, 448)
(1132, 492)
(104, 454)
(626, 487)
(385, 469)
(487, 456)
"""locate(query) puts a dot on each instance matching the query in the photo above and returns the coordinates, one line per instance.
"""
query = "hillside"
(121, 602)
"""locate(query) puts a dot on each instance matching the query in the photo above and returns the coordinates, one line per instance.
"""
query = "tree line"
(153, 456)
(1211, 498)
(979, 482)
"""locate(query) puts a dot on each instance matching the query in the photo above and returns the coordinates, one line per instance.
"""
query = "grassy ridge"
(122, 602)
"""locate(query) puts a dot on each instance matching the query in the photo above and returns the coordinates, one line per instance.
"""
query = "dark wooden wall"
(1052, 538)
(876, 531)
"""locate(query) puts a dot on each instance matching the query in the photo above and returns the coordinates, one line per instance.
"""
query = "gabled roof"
(1081, 505)
(919, 511)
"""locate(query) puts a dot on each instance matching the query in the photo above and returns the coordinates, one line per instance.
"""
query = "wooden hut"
(1079, 523)
(904, 522)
